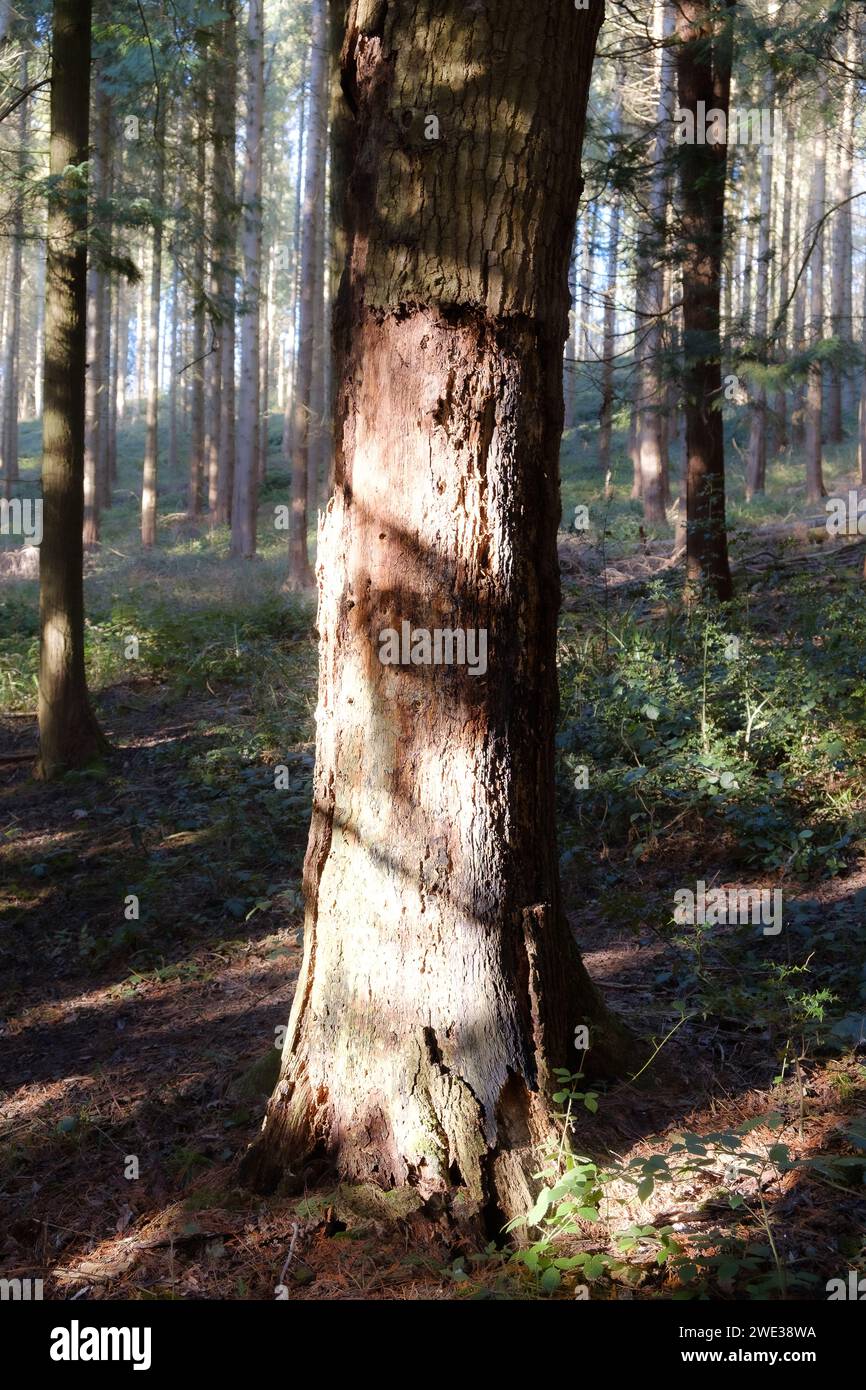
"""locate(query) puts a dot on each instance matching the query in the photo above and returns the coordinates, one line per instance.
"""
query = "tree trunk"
(265, 327)
(246, 481)
(650, 295)
(704, 74)
(840, 310)
(756, 458)
(317, 380)
(798, 403)
(111, 390)
(95, 454)
(68, 733)
(140, 333)
(173, 451)
(287, 446)
(571, 353)
(609, 350)
(587, 280)
(195, 491)
(13, 328)
(780, 402)
(226, 133)
(441, 985)
(213, 360)
(122, 364)
(300, 573)
(815, 489)
(151, 445)
(103, 468)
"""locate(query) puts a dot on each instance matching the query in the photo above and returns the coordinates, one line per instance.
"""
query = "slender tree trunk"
(140, 333)
(39, 351)
(746, 278)
(787, 199)
(317, 382)
(213, 359)
(288, 444)
(798, 404)
(116, 367)
(840, 310)
(245, 501)
(149, 489)
(94, 454)
(441, 985)
(13, 330)
(225, 128)
(571, 354)
(704, 74)
(300, 572)
(587, 280)
(609, 350)
(756, 459)
(227, 421)
(103, 469)
(122, 364)
(815, 489)
(195, 491)
(173, 449)
(266, 317)
(651, 247)
(68, 733)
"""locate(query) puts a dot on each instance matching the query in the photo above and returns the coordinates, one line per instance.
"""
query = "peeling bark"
(440, 983)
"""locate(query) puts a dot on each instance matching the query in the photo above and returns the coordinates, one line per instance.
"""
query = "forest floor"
(137, 1052)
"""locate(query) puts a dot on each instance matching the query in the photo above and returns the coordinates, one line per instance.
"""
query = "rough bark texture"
(68, 734)
(440, 983)
(704, 74)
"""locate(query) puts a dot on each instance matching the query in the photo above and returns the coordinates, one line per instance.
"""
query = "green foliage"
(686, 716)
(575, 1190)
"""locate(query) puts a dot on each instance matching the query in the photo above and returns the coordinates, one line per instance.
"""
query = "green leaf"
(539, 1210)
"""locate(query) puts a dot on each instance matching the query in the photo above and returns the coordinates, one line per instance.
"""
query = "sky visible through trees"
(432, 631)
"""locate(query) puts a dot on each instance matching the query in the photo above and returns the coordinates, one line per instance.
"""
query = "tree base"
(83, 744)
(476, 1164)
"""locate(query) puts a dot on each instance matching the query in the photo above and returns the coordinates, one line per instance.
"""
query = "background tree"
(704, 55)
(245, 504)
(68, 733)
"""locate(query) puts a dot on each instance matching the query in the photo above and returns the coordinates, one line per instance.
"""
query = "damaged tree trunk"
(441, 985)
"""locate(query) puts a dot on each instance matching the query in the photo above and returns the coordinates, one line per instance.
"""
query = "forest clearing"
(433, 653)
